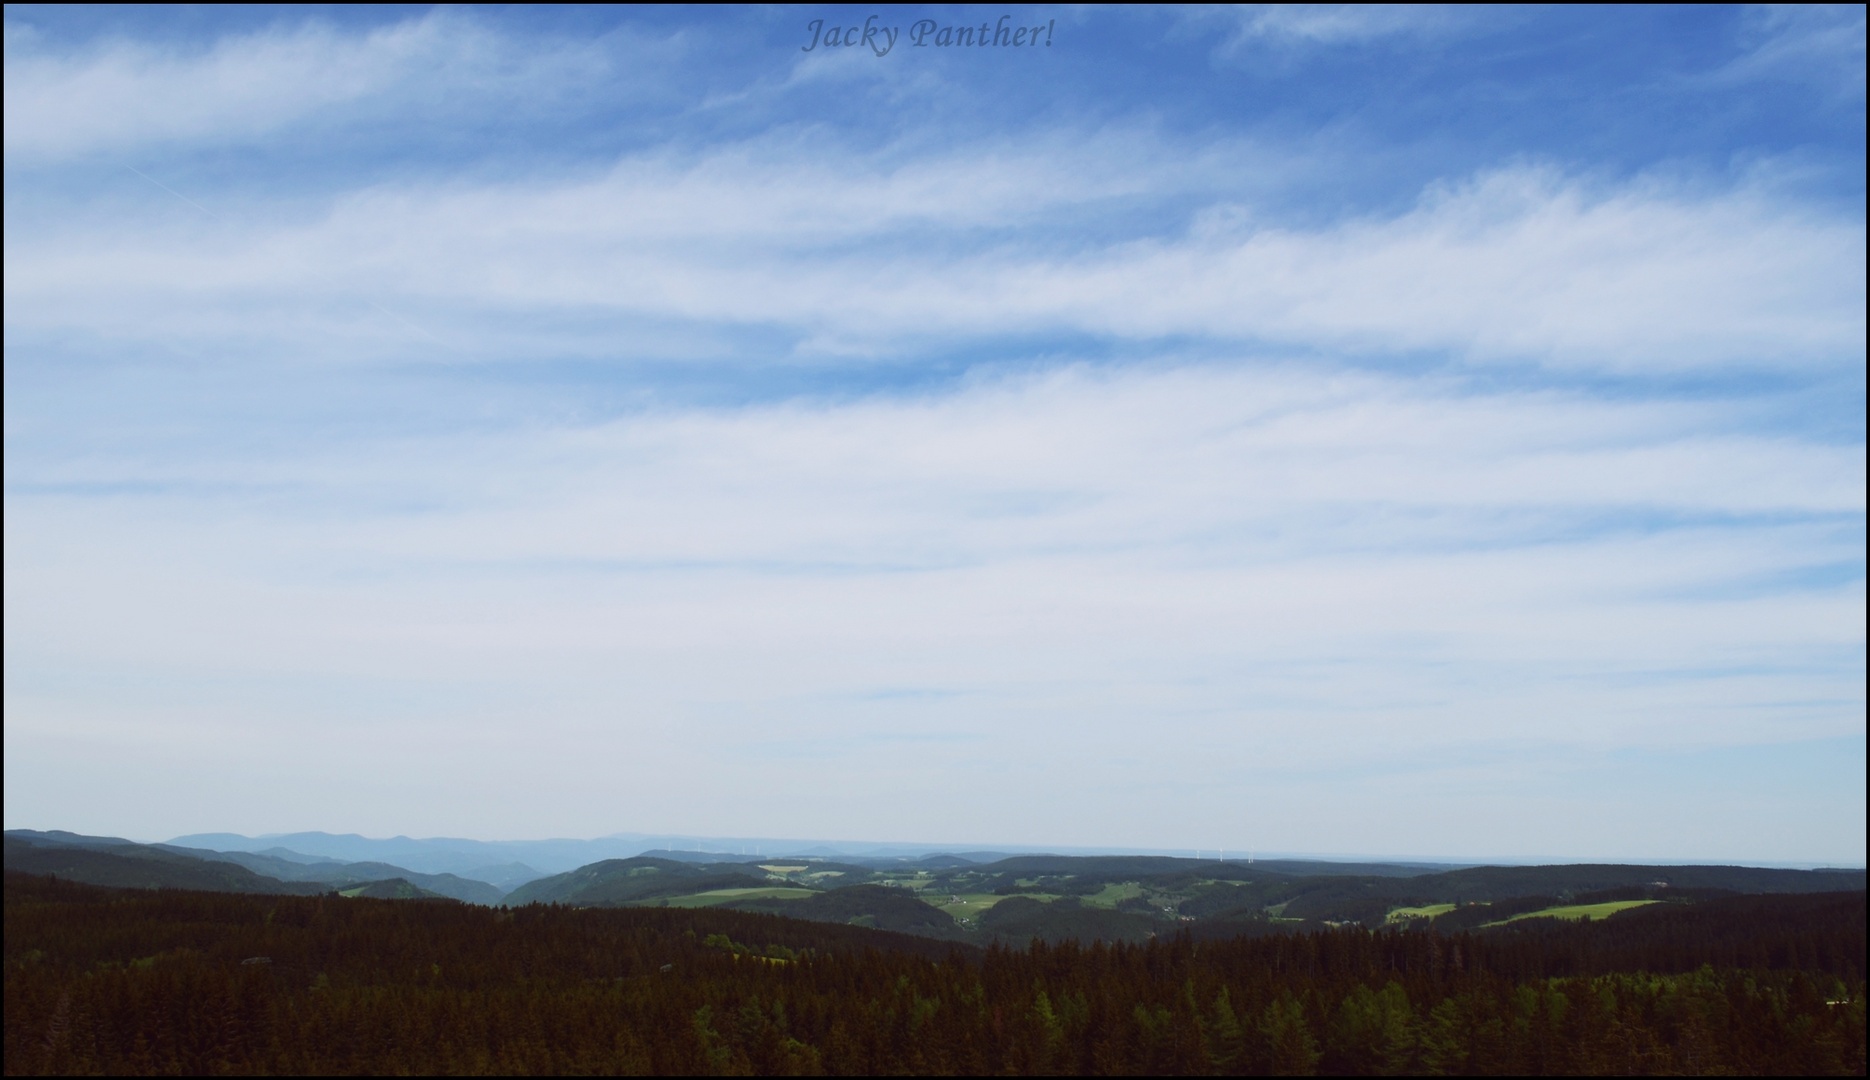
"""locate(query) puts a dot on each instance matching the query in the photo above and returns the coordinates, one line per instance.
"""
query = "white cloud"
(1211, 550)
(1520, 265)
(1287, 26)
(1143, 582)
(1816, 44)
(126, 96)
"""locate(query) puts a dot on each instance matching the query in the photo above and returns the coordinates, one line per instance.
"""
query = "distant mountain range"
(973, 897)
(472, 858)
(108, 860)
(505, 864)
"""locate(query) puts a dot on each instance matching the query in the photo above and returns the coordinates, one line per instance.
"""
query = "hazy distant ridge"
(977, 896)
(104, 860)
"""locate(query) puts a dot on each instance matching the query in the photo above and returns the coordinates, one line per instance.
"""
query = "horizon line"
(923, 849)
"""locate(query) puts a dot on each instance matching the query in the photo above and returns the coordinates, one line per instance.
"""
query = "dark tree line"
(111, 981)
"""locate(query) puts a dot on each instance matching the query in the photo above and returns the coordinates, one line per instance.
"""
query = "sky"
(1427, 432)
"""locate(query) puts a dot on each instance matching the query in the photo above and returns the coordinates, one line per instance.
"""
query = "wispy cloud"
(1521, 264)
(123, 96)
(1338, 24)
(1816, 44)
(1020, 538)
(1110, 450)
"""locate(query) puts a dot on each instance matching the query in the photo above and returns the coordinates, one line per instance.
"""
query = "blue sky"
(1411, 431)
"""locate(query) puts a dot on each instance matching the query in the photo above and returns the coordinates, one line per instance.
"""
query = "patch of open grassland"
(1426, 912)
(1578, 911)
(1110, 895)
(722, 896)
(970, 905)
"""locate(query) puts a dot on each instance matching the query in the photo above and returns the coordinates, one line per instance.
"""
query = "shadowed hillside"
(138, 867)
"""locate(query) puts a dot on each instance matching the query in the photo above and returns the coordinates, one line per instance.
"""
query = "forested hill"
(108, 860)
(1486, 883)
(137, 982)
(148, 869)
(1136, 898)
(638, 879)
(977, 901)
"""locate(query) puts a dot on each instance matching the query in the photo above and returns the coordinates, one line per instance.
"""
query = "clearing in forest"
(1578, 911)
(722, 896)
(1110, 895)
(970, 905)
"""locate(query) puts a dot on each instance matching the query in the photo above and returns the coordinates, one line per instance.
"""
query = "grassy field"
(1578, 911)
(1110, 895)
(722, 896)
(970, 905)
(1428, 912)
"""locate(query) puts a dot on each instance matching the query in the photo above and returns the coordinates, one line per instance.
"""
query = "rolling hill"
(878, 906)
(635, 880)
(134, 866)
(1011, 899)
(104, 860)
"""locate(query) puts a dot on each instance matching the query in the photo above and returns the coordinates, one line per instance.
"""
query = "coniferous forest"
(166, 981)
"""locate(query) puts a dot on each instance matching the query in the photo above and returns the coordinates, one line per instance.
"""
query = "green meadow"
(971, 905)
(722, 896)
(1577, 911)
(1111, 895)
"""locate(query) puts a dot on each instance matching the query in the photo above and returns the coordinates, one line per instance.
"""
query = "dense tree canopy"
(101, 980)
